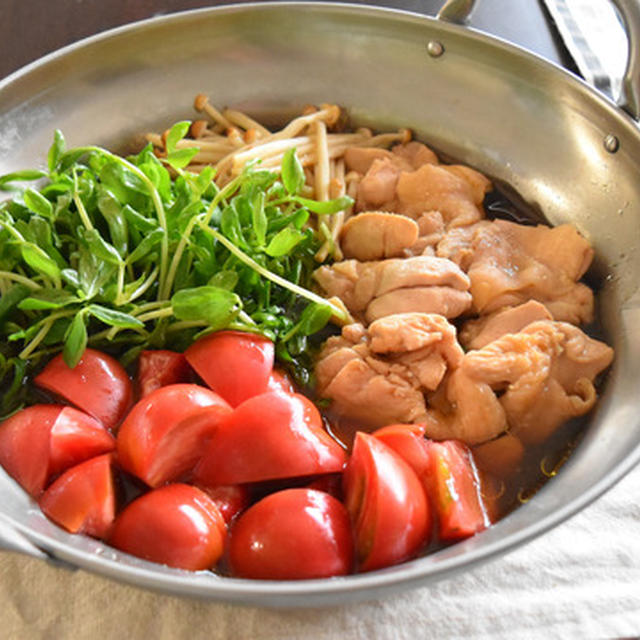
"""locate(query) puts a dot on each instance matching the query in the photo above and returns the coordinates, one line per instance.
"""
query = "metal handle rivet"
(435, 49)
(611, 143)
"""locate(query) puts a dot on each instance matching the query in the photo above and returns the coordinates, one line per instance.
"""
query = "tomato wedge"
(177, 525)
(231, 499)
(161, 368)
(165, 433)
(408, 441)
(387, 505)
(293, 534)
(454, 490)
(280, 381)
(234, 364)
(82, 499)
(43, 440)
(97, 384)
(273, 435)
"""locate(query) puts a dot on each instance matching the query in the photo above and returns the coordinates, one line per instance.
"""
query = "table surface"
(581, 579)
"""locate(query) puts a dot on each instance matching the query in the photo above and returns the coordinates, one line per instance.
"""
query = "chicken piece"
(510, 263)
(455, 191)
(544, 375)
(415, 153)
(422, 284)
(446, 301)
(431, 230)
(475, 334)
(405, 157)
(375, 235)
(501, 457)
(378, 376)
(377, 189)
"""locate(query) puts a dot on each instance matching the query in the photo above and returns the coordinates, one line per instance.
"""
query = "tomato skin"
(234, 364)
(82, 499)
(280, 381)
(387, 505)
(24, 446)
(408, 441)
(293, 534)
(75, 437)
(454, 490)
(43, 440)
(231, 499)
(164, 435)
(270, 436)
(177, 525)
(97, 384)
(161, 368)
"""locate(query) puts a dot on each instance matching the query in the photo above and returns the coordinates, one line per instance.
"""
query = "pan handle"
(456, 11)
(459, 12)
(630, 96)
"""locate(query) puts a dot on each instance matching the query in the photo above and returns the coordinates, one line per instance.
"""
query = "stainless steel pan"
(568, 152)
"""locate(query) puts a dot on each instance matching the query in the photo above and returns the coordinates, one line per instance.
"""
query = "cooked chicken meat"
(477, 333)
(372, 290)
(376, 235)
(378, 376)
(510, 263)
(544, 375)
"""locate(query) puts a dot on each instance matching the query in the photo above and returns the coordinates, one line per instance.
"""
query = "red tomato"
(161, 368)
(293, 534)
(177, 525)
(82, 499)
(454, 490)
(274, 435)
(97, 384)
(330, 483)
(236, 365)
(387, 505)
(164, 434)
(24, 446)
(408, 441)
(230, 499)
(43, 440)
(75, 437)
(280, 381)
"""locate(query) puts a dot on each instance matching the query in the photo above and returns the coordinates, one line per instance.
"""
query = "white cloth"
(580, 580)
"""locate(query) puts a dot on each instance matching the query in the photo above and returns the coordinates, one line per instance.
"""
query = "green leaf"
(292, 172)
(111, 210)
(180, 158)
(47, 299)
(283, 242)
(314, 318)
(218, 307)
(127, 187)
(328, 207)
(114, 318)
(225, 279)
(38, 203)
(100, 247)
(259, 218)
(39, 261)
(138, 221)
(11, 298)
(178, 131)
(75, 341)
(231, 227)
(146, 246)
(56, 150)
(27, 175)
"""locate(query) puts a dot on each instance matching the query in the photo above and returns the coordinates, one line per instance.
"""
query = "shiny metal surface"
(630, 98)
(456, 11)
(519, 119)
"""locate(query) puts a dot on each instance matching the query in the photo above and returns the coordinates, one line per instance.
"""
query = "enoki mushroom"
(227, 140)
